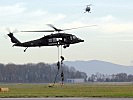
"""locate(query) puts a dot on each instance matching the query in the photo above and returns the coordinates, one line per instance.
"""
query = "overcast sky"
(111, 40)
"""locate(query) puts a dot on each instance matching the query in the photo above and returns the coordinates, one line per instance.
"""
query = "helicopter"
(88, 8)
(58, 39)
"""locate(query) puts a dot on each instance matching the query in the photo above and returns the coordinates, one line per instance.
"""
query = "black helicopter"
(58, 39)
(88, 8)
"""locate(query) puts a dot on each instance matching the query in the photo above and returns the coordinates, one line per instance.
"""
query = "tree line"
(120, 77)
(36, 73)
(45, 73)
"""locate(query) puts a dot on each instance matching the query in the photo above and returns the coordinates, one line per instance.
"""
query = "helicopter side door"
(52, 41)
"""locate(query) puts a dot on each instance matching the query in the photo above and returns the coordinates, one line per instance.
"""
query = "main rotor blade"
(40, 31)
(67, 29)
(89, 5)
(56, 29)
(79, 27)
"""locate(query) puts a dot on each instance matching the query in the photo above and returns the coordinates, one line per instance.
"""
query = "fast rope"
(59, 65)
(62, 72)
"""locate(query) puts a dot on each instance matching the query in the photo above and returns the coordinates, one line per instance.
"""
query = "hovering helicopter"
(58, 39)
(88, 8)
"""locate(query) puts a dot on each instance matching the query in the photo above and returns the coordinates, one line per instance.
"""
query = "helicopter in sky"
(88, 8)
(58, 39)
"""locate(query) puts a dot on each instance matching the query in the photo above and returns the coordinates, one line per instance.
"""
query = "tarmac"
(66, 98)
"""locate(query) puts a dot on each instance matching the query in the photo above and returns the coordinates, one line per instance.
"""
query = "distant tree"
(36, 73)
(120, 77)
(130, 78)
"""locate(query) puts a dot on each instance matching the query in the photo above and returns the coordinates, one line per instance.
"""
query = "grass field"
(68, 90)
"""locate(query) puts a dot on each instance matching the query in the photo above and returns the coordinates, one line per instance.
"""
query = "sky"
(111, 40)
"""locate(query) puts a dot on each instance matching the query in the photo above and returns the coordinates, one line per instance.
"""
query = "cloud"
(23, 12)
(108, 24)
(12, 9)
(116, 27)
(111, 24)
(21, 16)
(127, 40)
(108, 18)
(109, 28)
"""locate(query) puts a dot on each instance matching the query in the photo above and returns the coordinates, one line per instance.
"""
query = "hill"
(94, 66)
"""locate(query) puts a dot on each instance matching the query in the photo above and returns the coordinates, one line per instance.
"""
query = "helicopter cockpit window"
(74, 37)
(71, 38)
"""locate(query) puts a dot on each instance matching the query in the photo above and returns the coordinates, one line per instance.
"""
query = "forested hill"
(35, 73)
(93, 66)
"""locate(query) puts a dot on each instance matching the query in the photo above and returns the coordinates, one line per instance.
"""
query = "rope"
(58, 65)
(61, 50)
(62, 72)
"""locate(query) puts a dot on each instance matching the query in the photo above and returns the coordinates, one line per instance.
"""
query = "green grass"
(68, 90)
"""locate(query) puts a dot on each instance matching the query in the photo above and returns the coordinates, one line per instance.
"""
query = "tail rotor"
(10, 34)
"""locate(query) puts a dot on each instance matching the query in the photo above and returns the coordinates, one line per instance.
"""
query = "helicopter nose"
(81, 40)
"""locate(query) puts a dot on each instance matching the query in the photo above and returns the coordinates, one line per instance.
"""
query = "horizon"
(66, 61)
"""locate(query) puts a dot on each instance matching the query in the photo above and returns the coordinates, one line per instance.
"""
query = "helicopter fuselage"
(51, 40)
(88, 9)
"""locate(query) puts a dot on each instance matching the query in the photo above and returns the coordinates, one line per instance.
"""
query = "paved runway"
(66, 98)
